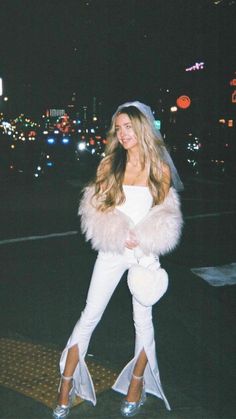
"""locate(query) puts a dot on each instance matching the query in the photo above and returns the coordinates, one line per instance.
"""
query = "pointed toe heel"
(62, 411)
(130, 409)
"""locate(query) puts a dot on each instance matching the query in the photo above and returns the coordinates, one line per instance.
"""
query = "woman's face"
(125, 133)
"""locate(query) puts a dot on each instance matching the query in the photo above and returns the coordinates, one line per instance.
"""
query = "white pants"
(107, 273)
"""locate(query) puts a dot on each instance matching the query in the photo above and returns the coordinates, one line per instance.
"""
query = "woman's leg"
(136, 383)
(143, 322)
(107, 272)
(71, 362)
(144, 362)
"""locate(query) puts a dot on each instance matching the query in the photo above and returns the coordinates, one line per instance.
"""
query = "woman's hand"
(131, 241)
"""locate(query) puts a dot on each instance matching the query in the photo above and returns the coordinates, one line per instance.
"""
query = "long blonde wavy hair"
(111, 170)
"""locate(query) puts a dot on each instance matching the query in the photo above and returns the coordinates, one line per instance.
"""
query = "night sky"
(115, 50)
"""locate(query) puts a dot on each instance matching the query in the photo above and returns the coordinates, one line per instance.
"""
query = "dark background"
(113, 49)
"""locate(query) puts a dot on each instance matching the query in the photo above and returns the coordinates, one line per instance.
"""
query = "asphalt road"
(45, 273)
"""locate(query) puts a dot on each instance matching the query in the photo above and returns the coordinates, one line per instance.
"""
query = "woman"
(131, 214)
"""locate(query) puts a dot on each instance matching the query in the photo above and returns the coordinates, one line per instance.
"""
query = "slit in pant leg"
(107, 272)
(84, 387)
(144, 341)
(80, 336)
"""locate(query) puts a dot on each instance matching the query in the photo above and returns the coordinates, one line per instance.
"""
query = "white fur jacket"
(158, 232)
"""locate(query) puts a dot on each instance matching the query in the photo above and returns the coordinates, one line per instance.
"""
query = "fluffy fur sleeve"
(106, 230)
(159, 232)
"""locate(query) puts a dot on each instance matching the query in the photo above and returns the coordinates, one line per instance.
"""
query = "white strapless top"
(138, 201)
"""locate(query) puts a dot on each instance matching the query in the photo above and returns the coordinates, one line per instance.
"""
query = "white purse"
(146, 285)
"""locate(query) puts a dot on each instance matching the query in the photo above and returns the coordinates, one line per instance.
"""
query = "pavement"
(44, 284)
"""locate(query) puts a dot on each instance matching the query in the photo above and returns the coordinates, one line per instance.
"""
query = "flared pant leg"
(108, 270)
(107, 273)
(144, 340)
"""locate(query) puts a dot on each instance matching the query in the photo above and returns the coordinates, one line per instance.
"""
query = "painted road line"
(206, 200)
(40, 237)
(211, 214)
(74, 232)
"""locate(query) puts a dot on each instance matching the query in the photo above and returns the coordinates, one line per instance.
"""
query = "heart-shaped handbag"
(146, 285)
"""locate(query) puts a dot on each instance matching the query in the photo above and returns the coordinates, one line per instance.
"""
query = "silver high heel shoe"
(129, 409)
(62, 410)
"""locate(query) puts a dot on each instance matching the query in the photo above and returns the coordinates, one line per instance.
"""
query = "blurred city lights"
(196, 66)
(234, 97)
(82, 146)
(51, 141)
(232, 82)
(157, 124)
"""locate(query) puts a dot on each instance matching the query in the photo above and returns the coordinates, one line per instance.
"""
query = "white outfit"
(108, 270)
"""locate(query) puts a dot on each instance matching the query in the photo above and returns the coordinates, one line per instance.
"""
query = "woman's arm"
(107, 230)
(159, 232)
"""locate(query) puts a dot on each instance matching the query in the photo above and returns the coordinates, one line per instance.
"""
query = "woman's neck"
(133, 158)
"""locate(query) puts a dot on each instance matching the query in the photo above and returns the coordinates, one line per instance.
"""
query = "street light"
(173, 111)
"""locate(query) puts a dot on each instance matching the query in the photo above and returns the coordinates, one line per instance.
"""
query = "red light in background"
(32, 134)
(183, 102)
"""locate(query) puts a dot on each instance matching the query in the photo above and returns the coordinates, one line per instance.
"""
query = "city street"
(132, 81)
(45, 271)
